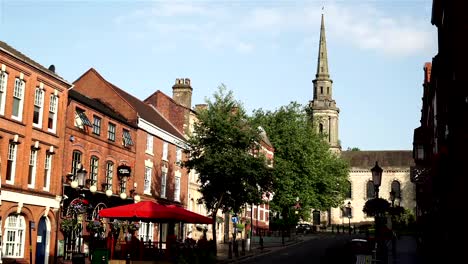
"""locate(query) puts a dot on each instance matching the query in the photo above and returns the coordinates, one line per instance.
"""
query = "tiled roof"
(26, 59)
(386, 158)
(148, 113)
(96, 104)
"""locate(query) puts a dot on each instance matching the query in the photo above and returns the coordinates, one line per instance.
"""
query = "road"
(324, 250)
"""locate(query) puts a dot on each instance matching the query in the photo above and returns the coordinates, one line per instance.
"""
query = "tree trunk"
(215, 244)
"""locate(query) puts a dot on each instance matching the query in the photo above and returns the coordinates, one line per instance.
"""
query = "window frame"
(93, 170)
(97, 121)
(111, 132)
(18, 94)
(19, 233)
(11, 163)
(32, 172)
(148, 178)
(3, 91)
(177, 187)
(39, 103)
(126, 138)
(370, 189)
(165, 151)
(109, 175)
(163, 183)
(47, 171)
(53, 109)
(149, 144)
(76, 160)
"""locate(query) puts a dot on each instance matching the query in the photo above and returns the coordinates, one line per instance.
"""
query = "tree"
(221, 150)
(304, 166)
(353, 149)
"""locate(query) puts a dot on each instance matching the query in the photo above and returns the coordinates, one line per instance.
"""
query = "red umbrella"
(151, 211)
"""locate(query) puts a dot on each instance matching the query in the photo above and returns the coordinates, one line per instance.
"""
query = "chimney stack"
(182, 92)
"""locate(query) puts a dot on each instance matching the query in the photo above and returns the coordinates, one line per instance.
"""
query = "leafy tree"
(305, 169)
(353, 149)
(221, 150)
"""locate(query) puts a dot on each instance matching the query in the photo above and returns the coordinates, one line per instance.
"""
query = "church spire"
(322, 63)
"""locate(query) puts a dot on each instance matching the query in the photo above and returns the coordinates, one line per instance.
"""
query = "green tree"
(221, 150)
(305, 169)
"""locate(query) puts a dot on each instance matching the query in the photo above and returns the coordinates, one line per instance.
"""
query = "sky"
(264, 51)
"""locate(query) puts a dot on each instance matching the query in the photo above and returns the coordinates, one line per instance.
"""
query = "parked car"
(303, 229)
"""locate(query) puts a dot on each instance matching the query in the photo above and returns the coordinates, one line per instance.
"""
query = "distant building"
(396, 164)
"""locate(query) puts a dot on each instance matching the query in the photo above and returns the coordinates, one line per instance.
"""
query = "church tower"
(324, 111)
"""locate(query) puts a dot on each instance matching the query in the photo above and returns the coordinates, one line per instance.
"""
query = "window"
(111, 132)
(76, 161)
(349, 191)
(38, 103)
(148, 173)
(32, 168)
(145, 232)
(165, 150)
(163, 183)
(177, 189)
(81, 120)
(178, 155)
(47, 171)
(96, 125)
(321, 89)
(18, 94)
(328, 90)
(370, 190)
(320, 128)
(109, 174)
(149, 143)
(11, 164)
(14, 236)
(3, 90)
(93, 169)
(52, 120)
(126, 138)
(396, 189)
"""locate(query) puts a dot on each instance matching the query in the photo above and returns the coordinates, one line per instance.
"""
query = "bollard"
(230, 250)
(243, 248)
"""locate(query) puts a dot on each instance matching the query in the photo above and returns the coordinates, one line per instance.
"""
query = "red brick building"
(157, 143)
(98, 142)
(32, 126)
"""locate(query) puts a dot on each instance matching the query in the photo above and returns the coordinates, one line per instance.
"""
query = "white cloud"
(228, 26)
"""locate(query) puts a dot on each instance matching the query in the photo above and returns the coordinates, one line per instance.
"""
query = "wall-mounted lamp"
(72, 138)
(123, 196)
(93, 188)
(109, 193)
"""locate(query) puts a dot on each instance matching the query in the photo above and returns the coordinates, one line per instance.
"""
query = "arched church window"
(321, 128)
(396, 189)
(370, 191)
(349, 191)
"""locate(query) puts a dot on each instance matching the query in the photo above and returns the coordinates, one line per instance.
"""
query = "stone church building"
(395, 163)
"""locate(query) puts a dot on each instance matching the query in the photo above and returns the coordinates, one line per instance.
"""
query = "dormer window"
(81, 120)
(127, 139)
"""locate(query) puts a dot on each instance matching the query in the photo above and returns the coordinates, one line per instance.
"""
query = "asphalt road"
(324, 250)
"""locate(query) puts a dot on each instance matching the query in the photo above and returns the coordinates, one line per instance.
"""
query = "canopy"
(151, 211)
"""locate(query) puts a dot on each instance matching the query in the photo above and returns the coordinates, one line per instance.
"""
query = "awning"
(154, 212)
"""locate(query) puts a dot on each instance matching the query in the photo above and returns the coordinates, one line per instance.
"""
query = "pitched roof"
(98, 105)
(386, 158)
(17, 54)
(148, 113)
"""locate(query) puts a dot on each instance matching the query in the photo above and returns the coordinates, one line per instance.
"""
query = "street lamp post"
(377, 180)
(79, 182)
(349, 217)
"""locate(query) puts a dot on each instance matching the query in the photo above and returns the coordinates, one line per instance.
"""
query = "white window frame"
(18, 93)
(53, 105)
(146, 232)
(178, 156)
(149, 144)
(109, 174)
(12, 153)
(32, 168)
(3, 91)
(39, 103)
(148, 176)
(111, 132)
(165, 150)
(17, 231)
(47, 171)
(177, 186)
(163, 182)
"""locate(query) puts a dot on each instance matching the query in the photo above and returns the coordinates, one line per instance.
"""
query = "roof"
(386, 158)
(12, 51)
(148, 113)
(98, 105)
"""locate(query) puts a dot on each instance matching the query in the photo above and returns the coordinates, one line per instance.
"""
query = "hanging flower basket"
(68, 225)
(96, 226)
(79, 206)
(132, 227)
(376, 206)
(116, 226)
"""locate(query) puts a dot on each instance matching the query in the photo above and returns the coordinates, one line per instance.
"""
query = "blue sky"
(264, 51)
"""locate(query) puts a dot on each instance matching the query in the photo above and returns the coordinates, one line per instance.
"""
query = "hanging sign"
(124, 171)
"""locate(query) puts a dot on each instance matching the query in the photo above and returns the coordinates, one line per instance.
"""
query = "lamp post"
(377, 179)
(349, 216)
(79, 181)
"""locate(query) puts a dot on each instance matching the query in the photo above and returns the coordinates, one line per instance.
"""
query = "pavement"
(406, 251)
(269, 247)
